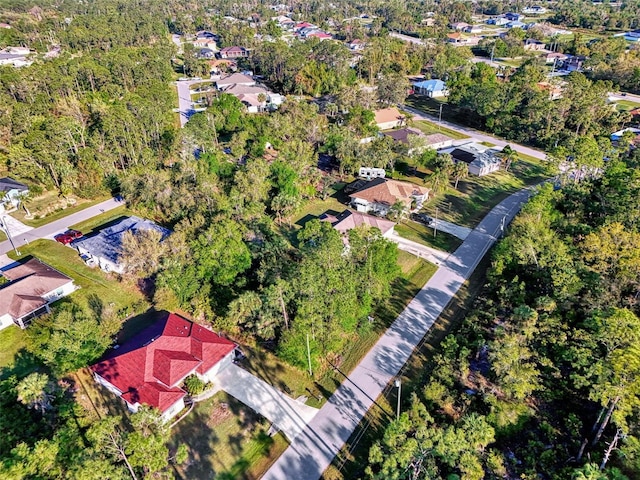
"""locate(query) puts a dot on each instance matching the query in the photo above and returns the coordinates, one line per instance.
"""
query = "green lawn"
(626, 105)
(48, 208)
(429, 127)
(420, 233)
(476, 196)
(123, 298)
(226, 440)
(92, 281)
(99, 220)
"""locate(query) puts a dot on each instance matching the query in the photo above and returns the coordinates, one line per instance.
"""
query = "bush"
(194, 385)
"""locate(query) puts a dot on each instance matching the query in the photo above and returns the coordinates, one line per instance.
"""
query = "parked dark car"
(73, 233)
(421, 218)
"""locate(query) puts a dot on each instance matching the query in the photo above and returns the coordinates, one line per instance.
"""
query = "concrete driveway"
(419, 250)
(452, 229)
(288, 415)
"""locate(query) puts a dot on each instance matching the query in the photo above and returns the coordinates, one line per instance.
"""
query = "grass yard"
(102, 219)
(476, 196)
(226, 440)
(14, 360)
(93, 282)
(429, 128)
(50, 206)
(626, 105)
(420, 233)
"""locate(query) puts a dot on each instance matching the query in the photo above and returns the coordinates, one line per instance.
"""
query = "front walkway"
(288, 415)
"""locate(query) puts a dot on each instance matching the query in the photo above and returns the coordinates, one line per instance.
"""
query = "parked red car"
(67, 237)
(63, 238)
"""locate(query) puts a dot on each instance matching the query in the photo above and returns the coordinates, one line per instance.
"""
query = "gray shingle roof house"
(10, 191)
(105, 247)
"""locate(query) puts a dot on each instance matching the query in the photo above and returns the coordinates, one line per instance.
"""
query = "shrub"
(194, 385)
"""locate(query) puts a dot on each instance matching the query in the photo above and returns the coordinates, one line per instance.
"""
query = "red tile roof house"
(379, 195)
(32, 286)
(149, 368)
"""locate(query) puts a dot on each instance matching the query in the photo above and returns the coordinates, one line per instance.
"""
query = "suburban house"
(497, 21)
(206, 53)
(513, 17)
(438, 141)
(515, 24)
(480, 159)
(31, 287)
(320, 35)
(573, 63)
(555, 91)
(105, 247)
(432, 88)
(380, 194)
(348, 220)
(233, 52)
(473, 29)
(555, 57)
(205, 42)
(149, 368)
(234, 79)
(388, 118)
(356, 45)
(402, 134)
(534, 10)
(11, 191)
(533, 45)
(459, 26)
(218, 67)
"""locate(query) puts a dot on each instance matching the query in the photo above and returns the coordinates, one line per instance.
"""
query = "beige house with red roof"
(377, 196)
(149, 368)
(31, 287)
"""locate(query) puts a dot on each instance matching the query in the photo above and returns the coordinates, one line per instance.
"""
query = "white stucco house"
(481, 160)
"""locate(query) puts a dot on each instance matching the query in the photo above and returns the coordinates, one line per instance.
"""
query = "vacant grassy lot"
(476, 196)
(226, 440)
(50, 206)
(626, 105)
(429, 128)
(420, 233)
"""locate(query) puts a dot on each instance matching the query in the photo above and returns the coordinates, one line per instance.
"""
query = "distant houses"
(30, 288)
(105, 248)
(150, 368)
(233, 52)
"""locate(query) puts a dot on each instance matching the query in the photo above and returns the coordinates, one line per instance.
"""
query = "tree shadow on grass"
(24, 363)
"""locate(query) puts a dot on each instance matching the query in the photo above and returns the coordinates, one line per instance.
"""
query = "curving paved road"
(312, 451)
(58, 226)
(476, 134)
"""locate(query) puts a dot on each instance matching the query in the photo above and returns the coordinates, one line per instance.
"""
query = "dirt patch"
(219, 414)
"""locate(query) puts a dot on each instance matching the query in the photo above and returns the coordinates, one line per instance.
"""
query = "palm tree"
(35, 391)
(460, 171)
(509, 155)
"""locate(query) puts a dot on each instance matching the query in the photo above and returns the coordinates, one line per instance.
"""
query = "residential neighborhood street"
(57, 226)
(312, 451)
(480, 136)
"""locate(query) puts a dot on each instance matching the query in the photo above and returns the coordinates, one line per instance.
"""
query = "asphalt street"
(58, 226)
(312, 451)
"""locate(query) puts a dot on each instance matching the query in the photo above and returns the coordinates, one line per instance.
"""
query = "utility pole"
(5, 227)
(435, 224)
(399, 385)
(440, 115)
(309, 356)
